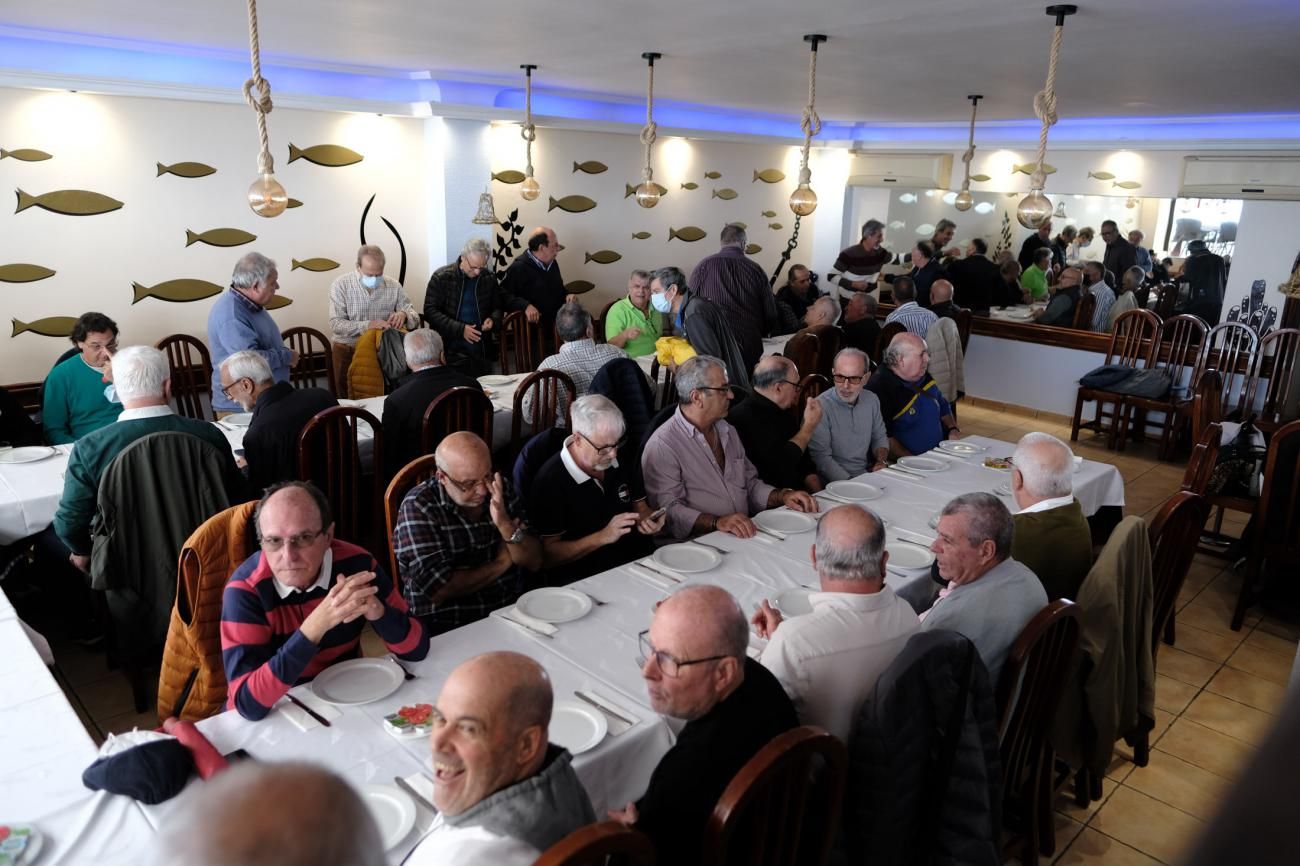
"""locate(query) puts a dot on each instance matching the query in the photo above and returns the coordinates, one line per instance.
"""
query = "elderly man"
(1206, 275)
(916, 318)
(1065, 298)
(851, 438)
(504, 793)
(915, 412)
(534, 278)
(695, 465)
(580, 357)
(76, 394)
(860, 264)
(280, 411)
(463, 303)
(829, 661)
(794, 298)
(589, 510)
(975, 278)
(363, 300)
(1094, 278)
(941, 303)
(239, 320)
(926, 269)
(990, 596)
(1052, 537)
(631, 324)
(1034, 280)
(775, 441)
(143, 381)
(694, 663)
(739, 287)
(460, 539)
(861, 330)
(1142, 254)
(1120, 254)
(700, 321)
(299, 604)
(404, 408)
(1126, 300)
(824, 311)
(1040, 239)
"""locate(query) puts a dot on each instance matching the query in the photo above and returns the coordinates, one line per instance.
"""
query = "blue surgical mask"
(372, 282)
(660, 302)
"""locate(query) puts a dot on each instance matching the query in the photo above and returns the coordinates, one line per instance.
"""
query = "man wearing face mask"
(362, 300)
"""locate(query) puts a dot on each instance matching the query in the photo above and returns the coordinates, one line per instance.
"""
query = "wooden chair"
(191, 374)
(804, 350)
(1084, 311)
(667, 390)
(809, 387)
(598, 325)
(1028, 693)
(1200, 465)
(1271, 393)
(1173, 535)
(1132, 343)
(545, 385)
(315, 359)
(783, 806)
(521, 340)
(963, 318)
(1275, 533)
(829, 340)
(1184, 336)
(329, 455)
(1166, 300)
(593, 844)
(1206, 403)
(418, 471)
(1230, 348)
(30, 396)
(459, 408)
(887, 334)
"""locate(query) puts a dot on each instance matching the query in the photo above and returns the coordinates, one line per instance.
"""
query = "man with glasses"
(702, 322)
(695, 465)
(76, 399)
(1120, 254)
(299, 604)
(917, 417)
(851, 438)
(460, 539)
(464, 303)
(589, 510)
(694, 664)
(775, 441)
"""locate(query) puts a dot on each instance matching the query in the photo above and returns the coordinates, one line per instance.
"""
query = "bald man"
(941, 302)
(824, 311)
(242, 816)
(535, 277)
(1065, 297)
(775, 441)
(916, 414)
(1052, 537)
(461, 540)
(504, 794)
(695, 668)
(828, 661)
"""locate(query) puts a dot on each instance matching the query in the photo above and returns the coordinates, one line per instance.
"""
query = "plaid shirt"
(915, 318)
(353, 307)
(580, 360)
(434, 537)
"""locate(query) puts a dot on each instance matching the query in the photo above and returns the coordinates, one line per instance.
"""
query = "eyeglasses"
(297, 542)
(670, 666)
(788, 382)
(724, 388)
(225, 389)
(468, 486)
(841, 379)
(95, 347)
(603, 449)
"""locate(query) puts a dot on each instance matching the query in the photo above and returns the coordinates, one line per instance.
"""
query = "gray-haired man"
(238, 320)
(404, 408)
(464, 303)
(362, 300)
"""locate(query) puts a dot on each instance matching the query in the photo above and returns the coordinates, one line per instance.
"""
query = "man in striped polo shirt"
(299, 604)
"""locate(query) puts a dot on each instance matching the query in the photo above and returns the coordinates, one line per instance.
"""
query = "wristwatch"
(517, 538)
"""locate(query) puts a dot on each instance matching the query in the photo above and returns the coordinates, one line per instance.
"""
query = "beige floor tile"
(1182, 785)
(79, 664)
(1212, 615)
(108, 697)
(146, 721)
(1230, 717)
(1152, 827)
(1091, 848)
(1173, 695)
(1163, 721)
(1272, 666)
(1067, 830)
(1272, 642)
(1207, 644)
(1198, 745)
(1281, 628)
(1248, 689)
(1065, 804)
(1121, 763)
(1185, 667)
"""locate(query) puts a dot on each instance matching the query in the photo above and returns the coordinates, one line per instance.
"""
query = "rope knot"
(649, 133)
(1045, 106)
(968, 155)
(528, 133)
(262, 102)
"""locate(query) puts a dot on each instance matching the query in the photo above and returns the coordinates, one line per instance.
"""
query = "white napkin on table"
(515, 615)
(651, 565)
(615, 726)
(301, 719)
(658, 581)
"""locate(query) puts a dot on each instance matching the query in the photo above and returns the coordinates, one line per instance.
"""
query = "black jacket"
(976, 282)
(442, 304)
(404, 412)
(544, 289)
(1032, 244)
(765, 430)
(924, 277)
(271, 443)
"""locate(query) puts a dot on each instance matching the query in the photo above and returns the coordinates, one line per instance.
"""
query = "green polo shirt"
(1035, 280)
(624, 315)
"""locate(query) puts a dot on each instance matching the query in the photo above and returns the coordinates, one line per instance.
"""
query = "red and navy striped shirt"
(264, 652)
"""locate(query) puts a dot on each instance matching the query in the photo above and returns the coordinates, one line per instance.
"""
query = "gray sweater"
(842, 446)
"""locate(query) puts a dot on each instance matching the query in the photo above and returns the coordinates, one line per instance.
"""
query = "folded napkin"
(302, 720)
(658, 581)
(518, 617)
(423, 786)
(610, 708)
(766, 539)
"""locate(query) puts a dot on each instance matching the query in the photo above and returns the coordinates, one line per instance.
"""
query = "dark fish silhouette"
(571, 204)
(26, 154)
(328, 155)
(69, 202)
(54, 326)
(186, 169)
(690, 234)
(177, 291)
(23, 273)
(219, 237)
(591, 166)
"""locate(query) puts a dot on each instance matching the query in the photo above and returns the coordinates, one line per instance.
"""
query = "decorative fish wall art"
(752, 249)
(570, 204)
(768, 175)
(690, 234)
(774, 226)
(176, 291)
(897, 224)
(328, 155)
(1031, 167)
(640, 236)
(293, 202)
(509, 176)
(278, 301)
(316, 265)
(980, 177)
(1101, 175)
(24, 273)
(984, 208)
(726, 193)
(54, 326)
(219, 237)
(186, 169)
(769, 213)
(713, 175)
(26, 154)
(69, 202)
(630, 190)
(925, 229)
(602, 257)
(690, 185)
(591, 166)
(908, 198)
(1127, 184)
(579, 287)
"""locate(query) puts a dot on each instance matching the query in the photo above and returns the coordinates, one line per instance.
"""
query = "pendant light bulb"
(647, 194)
(1034, 209)
(267, 197)
(803, 200)
(530, 189)
(964, 200)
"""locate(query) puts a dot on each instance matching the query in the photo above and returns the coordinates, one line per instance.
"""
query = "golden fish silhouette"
(26, 154)
(769, 213)
(630, 190)
(602, 257)
(219, 237)
(23, 273)
(689, 234)
(640, 236)
(579, 287)
(186, 169)
(328, 155)
(743, 226)
(753, 248)
(713, 175)
(509, 176)
(690, 185)
(591, 166)
(293, 202)
(54, 326)
(316, 265)
(769, 175)
(1127, 184)
(69, 202)
(1030, 167)
(278, 301)
(571, 204)
(176, 291)
(1101, 175)
(774, 226)
(980, 177)
(726, 193)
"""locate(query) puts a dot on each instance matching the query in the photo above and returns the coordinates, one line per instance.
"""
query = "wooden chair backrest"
(1272, 381)
(804, 350)
(1200, 465)
(191, 374)
(1230, 348)
(598, 326)
(963, 318)
(593, 844)
(829, 341)
(315, 359)
(459, 408)
(418, 471)
(1184, 336)
(1084, 310)
(546, 385)
(667, 390)
(887, 334)
(520, 344)
(809, 387)
(329, 455)
(1173, 533)
(1133, 339)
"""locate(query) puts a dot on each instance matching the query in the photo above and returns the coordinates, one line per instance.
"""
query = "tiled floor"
(1216, 694)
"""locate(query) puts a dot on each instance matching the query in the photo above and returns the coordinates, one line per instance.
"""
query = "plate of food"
(1002, 464)
(410, 722)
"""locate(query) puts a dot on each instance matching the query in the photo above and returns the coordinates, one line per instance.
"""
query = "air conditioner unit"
(1254, 177)
(902, 170)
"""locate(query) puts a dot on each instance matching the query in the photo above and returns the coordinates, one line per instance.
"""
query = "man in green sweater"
(1052, 536)
(75, 401)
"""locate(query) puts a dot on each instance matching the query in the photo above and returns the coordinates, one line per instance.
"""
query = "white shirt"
(145, 412)
(322, 579)
(828, 661)
(1048, 504)
(576, 472)
(469, 846)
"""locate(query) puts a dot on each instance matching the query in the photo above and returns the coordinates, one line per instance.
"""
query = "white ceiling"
(887, 61)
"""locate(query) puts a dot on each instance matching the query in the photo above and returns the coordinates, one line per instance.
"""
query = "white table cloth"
(1022, 313)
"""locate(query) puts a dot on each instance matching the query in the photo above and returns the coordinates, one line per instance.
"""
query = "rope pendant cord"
(651, 130)
(969, 155)
(528, 132)
(1045, 107)
(261, 104)
(810, 122)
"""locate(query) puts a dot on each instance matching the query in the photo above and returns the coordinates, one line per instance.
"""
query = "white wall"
(1026, 374)
(1268, 240)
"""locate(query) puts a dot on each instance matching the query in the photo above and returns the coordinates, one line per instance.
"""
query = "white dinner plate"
(905, 555)
(918, 463)
(687, 558)
(554, 604)
(794, 601)
(1004, 488)
(495, 380)
(357, 681)
(577, 727)
(239, 419)
(27, 454)
(785, 520)
(393, 810)
(960, 446)
(854, 491)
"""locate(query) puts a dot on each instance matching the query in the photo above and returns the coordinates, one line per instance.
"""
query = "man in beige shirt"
(363, 300)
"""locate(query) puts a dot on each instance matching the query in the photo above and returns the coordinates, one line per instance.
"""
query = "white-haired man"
(239, 320)
(362, 300)
(464, 303)
(589, 510)
(404, 408)
(579, 357)
(1052, 536)
(850, 437)
(143, 381)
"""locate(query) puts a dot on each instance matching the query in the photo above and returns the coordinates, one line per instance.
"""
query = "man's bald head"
(776, 378)
(718, 622)
(705, 626)
(850, 548)
(464, 468)
(514, 685)
(823, 312)
(1044, 468)
(940, 291)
